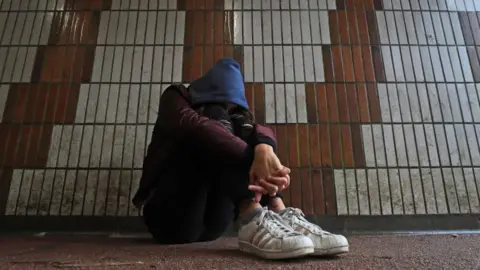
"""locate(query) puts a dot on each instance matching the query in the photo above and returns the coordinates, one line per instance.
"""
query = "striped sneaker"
(268, 236)
(326, 244)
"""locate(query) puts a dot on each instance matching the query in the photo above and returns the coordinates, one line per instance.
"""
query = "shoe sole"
(275, 255)
(330, 251)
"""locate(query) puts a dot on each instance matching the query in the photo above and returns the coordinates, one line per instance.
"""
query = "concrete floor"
(367, 252)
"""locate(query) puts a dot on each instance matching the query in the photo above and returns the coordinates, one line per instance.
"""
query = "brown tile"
(323, 106)
(353, 28)
(259, 102)
(41, 103)
(307, 192)
(336, 145)
(329, 191)
(199, 59)
(358, 65)
(74, 27)
(64, 64)
(343, 27)
(5, 181)
(343, 64)
(315, 154)
(311, 99)
(249, 96)
(372, 27)
(325, 143)
(283, 154)
(347, 146)
(357, 144)
(363, 27)
(293, 147)
(352, 101)
(342, 103)
(335, 28)
(378, 4)
(24, 145)
(474, 55)
(378, 64)
(87, 4)
(341, 4)
(466, 28)
(318, 192)
(304, 145)
(332, 103)
(328, 63)
(199, 5)
(374, 105)
(295, 188)
(368, 67)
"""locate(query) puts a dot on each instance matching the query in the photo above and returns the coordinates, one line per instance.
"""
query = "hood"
(222, 83)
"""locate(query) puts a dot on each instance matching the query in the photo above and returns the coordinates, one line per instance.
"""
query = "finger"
(258, 196)
(282, 172)
(288, 181)
(257, 189)
(270, 188)
(278, 181)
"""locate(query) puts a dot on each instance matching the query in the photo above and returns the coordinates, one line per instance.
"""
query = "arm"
(265, 135)
(180, 121)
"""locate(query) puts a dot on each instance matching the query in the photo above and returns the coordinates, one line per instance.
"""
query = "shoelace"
(275, 224)
(293, 213)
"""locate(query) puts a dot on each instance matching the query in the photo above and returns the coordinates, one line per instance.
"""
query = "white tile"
(389, 138)
(438, 186)
(340, 190)
(452, 145)
(463, 198)
(290, 64)
(352, 192)
(291, 27)
(379, 145)
(473, 144)
(25, 28)
(100, 202)
(16, 63)
(418, 196)
(466, 67)
(368, 145)
(411, 148)
(472, 190)
(59, 178)
(46, 192)
(4, 90)
(129, 65)
(447, 27)
(428, 191)
(385, 196)
(91, 190)
(421, 144)
(403, 102)
(374, 192)
(14, 192)
(80, 177)
(451, 191)
(363, 199)
(407, 192)
(15, 5)
(396, 188)
(434, 100)
(432, 145)
(415, 106)
(400, 145)
(68, 193)
(285, 103)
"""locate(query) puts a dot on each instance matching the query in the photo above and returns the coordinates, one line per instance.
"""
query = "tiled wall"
(375, 103)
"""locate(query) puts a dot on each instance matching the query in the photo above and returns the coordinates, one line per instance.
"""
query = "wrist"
(263, 147)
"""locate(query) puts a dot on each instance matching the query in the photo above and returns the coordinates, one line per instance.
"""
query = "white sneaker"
(326, 244)
(269, 237)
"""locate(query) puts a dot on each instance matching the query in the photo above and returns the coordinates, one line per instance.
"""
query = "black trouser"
(202, 207)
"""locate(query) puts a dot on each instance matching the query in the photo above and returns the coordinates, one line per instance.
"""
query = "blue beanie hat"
(222, 83)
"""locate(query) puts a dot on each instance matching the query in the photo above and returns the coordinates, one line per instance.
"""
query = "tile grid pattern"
(374, 103)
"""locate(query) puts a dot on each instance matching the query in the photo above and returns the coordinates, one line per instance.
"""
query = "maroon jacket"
(179, 125)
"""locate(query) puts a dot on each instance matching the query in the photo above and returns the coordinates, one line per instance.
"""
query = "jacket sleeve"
(187, 126)
(265, 135)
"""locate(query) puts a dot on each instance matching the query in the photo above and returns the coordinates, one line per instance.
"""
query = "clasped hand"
(267, 174)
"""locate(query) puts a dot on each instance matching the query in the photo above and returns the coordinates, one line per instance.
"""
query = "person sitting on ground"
(209, 164)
